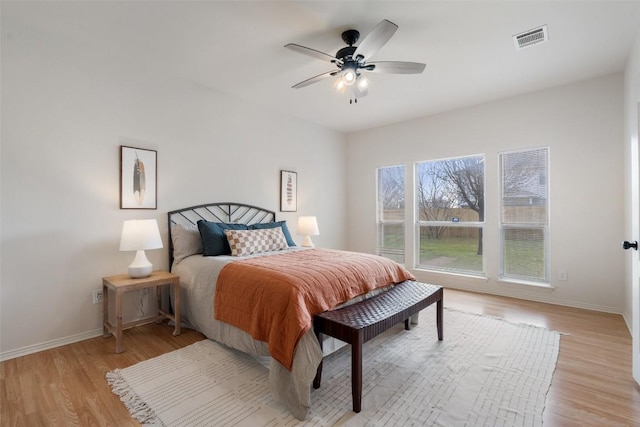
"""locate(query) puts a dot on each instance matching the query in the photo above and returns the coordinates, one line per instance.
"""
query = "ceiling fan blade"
(377, 38)
(314, 79)
(310, 52)
(395, 67)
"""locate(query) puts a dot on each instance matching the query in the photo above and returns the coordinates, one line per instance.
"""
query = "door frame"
(633, 262)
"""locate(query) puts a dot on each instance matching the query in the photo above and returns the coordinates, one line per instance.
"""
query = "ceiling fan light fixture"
(339, 86)
(362, 82)
(359, 91)
(349, 77)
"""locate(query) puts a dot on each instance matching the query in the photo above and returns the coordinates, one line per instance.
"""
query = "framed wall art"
(288, 191)
(138, 178)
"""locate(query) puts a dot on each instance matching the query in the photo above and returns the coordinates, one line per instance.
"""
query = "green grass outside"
(452, 253)
(523, 258)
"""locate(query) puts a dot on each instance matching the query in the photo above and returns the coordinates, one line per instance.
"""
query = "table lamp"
(138, 235)
(308, 226)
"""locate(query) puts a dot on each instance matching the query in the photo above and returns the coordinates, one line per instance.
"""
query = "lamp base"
(307, 243)
(140, 267)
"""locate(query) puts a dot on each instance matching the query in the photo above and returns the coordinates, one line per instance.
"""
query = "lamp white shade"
(308, 226)
(138, 235)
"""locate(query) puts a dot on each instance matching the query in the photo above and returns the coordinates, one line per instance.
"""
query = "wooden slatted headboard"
(226, 212)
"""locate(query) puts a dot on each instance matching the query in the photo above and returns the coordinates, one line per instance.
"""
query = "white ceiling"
(236, 47)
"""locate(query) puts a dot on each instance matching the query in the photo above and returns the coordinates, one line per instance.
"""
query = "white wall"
(65, 112)
(582, 125)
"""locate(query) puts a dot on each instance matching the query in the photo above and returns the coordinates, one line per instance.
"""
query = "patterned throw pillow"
(246, 242)
(283, 224)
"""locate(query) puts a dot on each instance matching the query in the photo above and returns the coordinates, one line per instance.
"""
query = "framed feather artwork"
(138, 178)
(288, 191)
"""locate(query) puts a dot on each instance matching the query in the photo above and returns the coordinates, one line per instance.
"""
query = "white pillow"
(186, 241)
(246, 242)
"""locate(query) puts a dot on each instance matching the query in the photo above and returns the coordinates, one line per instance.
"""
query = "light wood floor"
(592, 384)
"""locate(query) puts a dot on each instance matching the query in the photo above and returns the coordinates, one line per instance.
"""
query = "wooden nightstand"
(124, 283)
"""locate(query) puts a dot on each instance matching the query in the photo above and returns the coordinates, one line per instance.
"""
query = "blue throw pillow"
(214, 241)
(282, 224)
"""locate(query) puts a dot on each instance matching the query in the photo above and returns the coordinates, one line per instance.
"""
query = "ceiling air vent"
(531, 37)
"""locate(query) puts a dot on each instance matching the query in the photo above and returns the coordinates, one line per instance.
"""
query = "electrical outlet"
(564, 275)
(97, 296)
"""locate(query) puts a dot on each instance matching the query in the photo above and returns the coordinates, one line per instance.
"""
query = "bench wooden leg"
(356, 374)
(318, 377)
(439, 305)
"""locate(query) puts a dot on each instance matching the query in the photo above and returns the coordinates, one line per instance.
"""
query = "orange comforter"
(274, 298)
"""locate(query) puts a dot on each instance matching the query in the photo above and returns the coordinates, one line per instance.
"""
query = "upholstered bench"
(360, 322)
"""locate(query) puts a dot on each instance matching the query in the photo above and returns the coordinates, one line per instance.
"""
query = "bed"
(205, 267)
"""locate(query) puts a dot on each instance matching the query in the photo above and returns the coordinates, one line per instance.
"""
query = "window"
(450, 212)
(390, 213)
(524, 220)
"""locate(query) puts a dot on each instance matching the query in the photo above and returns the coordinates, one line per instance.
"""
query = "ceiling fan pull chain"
(351, 97)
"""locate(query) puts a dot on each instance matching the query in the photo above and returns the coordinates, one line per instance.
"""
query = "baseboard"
(476, 284)
(543, 298)
(627, 321)
(47, 345)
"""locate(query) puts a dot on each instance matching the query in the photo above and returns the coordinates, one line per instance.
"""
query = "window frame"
(381, 222)
(480, 225)
(545, 227)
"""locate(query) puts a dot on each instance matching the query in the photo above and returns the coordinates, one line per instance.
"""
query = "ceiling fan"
(352, 60)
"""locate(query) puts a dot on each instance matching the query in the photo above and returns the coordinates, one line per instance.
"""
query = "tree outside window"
(524, 219)
(450, 210)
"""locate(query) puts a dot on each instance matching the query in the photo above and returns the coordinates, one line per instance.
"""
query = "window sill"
(519, 283)
(453, 277)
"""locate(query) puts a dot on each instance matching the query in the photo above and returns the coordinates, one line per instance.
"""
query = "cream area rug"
(486, 372)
